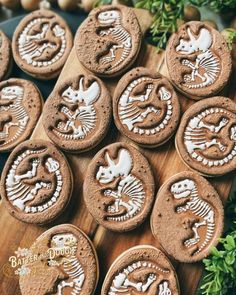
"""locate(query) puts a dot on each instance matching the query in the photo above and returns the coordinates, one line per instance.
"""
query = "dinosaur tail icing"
(209, 236)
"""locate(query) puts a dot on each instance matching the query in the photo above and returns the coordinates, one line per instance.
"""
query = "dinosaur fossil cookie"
(108, 41)
(198, 60)
(20, 108)
(187, 218)
(146, 107)
(206, 138)
(119, 187)
(141, 270)
(36, 182)
(78, 113)
(65, 262)
(41, 44)
(5, 56)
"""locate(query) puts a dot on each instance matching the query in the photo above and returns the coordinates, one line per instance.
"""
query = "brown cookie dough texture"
(198, 60)
(146, 107)
(20, 108)
(108, 41)
(78, 113)
(36, 182)
(64, 262)
(141, 270)
(187, 218)
(119, 187)
(5, 56)
(41, 44)
(206, 138)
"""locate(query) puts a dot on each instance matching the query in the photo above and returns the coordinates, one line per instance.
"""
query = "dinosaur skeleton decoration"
(187, 189)
(69, 262)
(19, 192)
(206, 68)
(130, 113)
(13, 96)
(32, 47)
(122, 283)
(196, 136)
(112, 18)
(83, 120)
(129, 186)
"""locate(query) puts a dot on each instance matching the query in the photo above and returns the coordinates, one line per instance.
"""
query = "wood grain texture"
(165, 163)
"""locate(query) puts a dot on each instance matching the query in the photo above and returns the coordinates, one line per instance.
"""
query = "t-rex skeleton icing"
(69, 262)
(129, 185)
(196, 139)
(14, 96)
(205, 61)
(31, 47)
(19, 192)
(81, 122)
(112, 18)
(187, 189)
(130, 113)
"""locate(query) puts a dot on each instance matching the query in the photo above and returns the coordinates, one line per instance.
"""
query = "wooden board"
(165, 163)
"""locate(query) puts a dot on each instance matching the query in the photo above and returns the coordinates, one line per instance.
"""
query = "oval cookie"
(20, 108)
(36, 182)
(187, 218)
(119, 187)
(78, 113)
(141, 270)
(146, 107)
(5, 56)
(198, 60)
(41, 44)
(108, 41)
(206, 138)
(64, 262)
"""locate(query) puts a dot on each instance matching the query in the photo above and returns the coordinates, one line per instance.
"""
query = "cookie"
(64, 261)
(108, 41)
(20, 108)
(5, 56)
(206, 138)
(41, 44)
(187, 218)
(141, 270)
(119, 187)
(36, 182)
(78, 113)
(198, 60)
(146, 107)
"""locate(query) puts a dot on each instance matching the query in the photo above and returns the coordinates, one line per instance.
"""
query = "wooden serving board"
(164, 161)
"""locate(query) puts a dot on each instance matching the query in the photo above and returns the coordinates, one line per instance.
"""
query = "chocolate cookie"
(206, 138)
(20, 108)
(119, 187)
(187, 218)
(141, 270)
(5, 57)
(198, 60)
(41, 44)
(64, 262)
(108, 41)
(78, 113)
(146, 107)
(36, 182)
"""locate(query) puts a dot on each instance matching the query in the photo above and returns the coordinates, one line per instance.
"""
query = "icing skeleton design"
(112, 18)
(32, 47)
(19, 192)
(80, 122)
(130, 113)
(69, 262)
(206, 66)
(13, 95)
(129, 186)
(196, 139)
(187, 189)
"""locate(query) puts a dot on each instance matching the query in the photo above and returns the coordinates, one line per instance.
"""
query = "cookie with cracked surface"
(6, 59)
